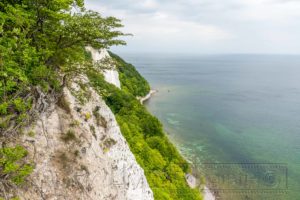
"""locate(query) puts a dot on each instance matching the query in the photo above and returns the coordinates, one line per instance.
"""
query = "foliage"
(31, 133)
(87, 116)
(163, 165)
(14, 198)
(131, 80)
(42, 44)
(107, 144)
(13, 167)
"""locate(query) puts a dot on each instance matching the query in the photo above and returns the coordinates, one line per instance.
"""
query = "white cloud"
(149, 4)
(207, 26)
(271, 11)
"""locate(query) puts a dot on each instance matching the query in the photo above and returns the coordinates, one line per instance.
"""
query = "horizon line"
(206, 54)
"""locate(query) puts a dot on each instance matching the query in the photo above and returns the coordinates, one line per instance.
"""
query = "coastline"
(208, 194)
(190, 179)
(193, 182)
(147, 97)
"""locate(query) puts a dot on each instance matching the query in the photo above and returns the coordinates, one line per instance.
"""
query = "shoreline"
(208, 194)
(191, 181)
(147, 97)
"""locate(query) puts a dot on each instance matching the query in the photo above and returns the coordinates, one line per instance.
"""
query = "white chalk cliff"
(79, 151)
(110, 75)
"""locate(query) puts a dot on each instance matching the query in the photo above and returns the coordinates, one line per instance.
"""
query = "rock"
(110, 75)
(70, 161)
(208, 195)
(191, 181)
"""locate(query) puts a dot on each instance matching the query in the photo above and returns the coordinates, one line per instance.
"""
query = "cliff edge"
(79, 151)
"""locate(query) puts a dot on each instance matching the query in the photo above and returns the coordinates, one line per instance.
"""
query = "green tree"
(42, 45)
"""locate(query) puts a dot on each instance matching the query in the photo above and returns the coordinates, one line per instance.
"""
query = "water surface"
(241, 110)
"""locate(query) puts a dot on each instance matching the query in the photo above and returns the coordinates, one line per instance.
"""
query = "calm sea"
(237, 117)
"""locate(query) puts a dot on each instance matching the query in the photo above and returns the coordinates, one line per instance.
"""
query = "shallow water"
(241, 110)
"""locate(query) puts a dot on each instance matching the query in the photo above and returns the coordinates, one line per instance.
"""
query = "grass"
(69, 136)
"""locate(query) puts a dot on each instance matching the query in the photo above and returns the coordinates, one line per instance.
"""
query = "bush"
(3, 108)
(37, 50)
(13, 165)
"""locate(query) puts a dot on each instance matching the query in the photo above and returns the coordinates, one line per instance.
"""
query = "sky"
(206, 26)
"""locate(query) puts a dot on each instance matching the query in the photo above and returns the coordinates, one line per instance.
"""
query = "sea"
(236, 118)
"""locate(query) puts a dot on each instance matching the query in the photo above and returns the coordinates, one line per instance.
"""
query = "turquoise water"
(235, 116)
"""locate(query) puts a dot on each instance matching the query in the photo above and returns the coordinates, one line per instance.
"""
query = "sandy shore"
(147, 97)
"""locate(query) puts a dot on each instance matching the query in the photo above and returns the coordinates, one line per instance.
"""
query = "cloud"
(212, 26)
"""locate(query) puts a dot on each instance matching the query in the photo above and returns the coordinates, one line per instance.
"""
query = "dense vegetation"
(131, 80)
(42, 45)
(164, 167)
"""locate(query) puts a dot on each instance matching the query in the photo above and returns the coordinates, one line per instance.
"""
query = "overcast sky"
(207, 26)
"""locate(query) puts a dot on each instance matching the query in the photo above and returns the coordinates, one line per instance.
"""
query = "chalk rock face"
(110, 75)
(79, 152)
(98, 54)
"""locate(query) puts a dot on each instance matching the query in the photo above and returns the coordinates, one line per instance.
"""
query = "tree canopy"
(41, 43)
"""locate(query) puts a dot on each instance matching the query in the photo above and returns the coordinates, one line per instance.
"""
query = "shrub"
(107, 144)
(13, 165)
(87, 116)
(69, 136)
(19, 105)
(3, 108)
(31, 133)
